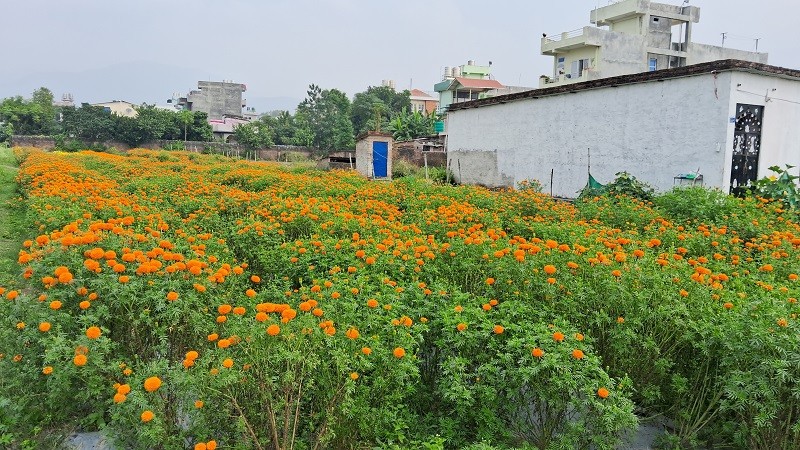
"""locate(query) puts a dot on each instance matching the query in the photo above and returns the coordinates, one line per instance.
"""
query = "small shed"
(374, 155)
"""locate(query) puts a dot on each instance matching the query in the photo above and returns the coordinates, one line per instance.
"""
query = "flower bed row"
(208, 303)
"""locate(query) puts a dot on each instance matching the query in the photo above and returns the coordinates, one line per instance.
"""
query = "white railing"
(564, 35)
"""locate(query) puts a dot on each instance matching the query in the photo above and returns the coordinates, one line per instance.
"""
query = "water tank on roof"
(471, 62)
(447, 71)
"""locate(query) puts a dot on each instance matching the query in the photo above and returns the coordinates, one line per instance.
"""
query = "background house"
(465, 83)
(215, 98)
(423, 102)
(119, 107)
(640, 36)
(730, 120)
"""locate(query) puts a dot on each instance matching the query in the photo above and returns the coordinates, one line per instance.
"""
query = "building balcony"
(570, 40)
(587, 75)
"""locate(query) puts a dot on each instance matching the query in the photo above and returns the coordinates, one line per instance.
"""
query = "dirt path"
(10, 218)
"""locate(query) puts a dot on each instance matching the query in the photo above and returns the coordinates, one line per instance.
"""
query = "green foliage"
(781, 187)
(402, 168)
(6, 131)
(327, 113)
(378, 104)
(254, 135)
(407, 126)
(627, 185)
(29, 117)
(530, 185)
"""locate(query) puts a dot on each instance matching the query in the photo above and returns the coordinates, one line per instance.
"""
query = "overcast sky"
(144, 50)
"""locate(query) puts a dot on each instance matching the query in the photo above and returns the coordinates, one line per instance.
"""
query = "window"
(653, 64)
(578, 67)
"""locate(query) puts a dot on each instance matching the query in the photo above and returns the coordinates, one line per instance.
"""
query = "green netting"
(592, 188)
(594, 184)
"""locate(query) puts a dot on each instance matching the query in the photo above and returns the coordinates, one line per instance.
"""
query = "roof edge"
(678, 72)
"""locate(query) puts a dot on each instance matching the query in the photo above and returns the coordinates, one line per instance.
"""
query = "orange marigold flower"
(198, 404)
(119, 398)
(200, 446)
(44, 327)
(250, 293)
(461, 326)
(616, 273)
(366, 350)
(84, 304)
(578, 337)
(47, 370)
(458, 308)
(213, 337)
(227, 363)
(255, 279)
(620, 319)
(147, 416)
(498, 329)
(399, 352)
(558, 336)
(124, 389)
(577, 354)
(490, 281)
(80, 360)
(55, 305)
(93, 332)
(550, 269)
(537, 352)
(603, 392)
(352, 333)
(192, 355)
(152, 384)
(353, 376)
(727, 305)
(224, 309)
(273, 330)
(172, 296)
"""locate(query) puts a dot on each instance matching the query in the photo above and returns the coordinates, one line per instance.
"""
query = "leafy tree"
(290, 130)
(30, 117)
(90, 123)
(254, 135)
(199, 128)
(378, 103)
(407, 126)
(327, 113)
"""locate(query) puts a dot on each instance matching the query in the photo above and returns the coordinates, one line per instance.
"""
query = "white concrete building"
(632, 36)
(730, 120)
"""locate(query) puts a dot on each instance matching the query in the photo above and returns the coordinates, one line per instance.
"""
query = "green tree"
(199, 128)
(254, 135)
(407, 126)
(328, 114)
(186, 118)
(378, 103)
(89, 123)
(30, 117)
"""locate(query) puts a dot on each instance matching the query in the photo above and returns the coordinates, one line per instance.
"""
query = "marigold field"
(180, 300)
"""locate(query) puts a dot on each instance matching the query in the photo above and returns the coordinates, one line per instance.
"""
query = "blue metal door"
(380, 159)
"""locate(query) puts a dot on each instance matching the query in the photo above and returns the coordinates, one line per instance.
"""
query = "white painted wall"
(780, 135)
(654, 130)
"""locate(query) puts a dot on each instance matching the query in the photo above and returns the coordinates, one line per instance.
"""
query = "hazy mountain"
(135, 82)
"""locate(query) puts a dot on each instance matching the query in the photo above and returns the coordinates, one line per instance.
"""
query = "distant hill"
(135, 82)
